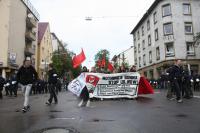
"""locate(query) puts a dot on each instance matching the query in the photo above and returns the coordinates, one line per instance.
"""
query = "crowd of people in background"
(179, 81)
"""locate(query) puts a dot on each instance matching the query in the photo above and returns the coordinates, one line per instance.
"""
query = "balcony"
(31, 22)
(29, 51)
(30, 35)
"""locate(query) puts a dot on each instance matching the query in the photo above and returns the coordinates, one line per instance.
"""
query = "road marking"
(157, 92)
(66, 118)
(196, 97)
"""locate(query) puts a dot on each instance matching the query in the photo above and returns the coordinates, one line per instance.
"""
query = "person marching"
(176, 74)
(26, 76)
(84, 96)
(2, 82)
(52, 80)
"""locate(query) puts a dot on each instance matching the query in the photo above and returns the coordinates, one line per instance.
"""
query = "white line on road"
(196, 96)
(67, 118)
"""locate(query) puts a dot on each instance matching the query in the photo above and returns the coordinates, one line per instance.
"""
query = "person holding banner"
(84, 98)
(52, 80)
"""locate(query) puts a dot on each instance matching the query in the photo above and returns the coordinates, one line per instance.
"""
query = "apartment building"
(56, 43)
(18, 34)
(165, 33)
(126, 57)
(44, 49)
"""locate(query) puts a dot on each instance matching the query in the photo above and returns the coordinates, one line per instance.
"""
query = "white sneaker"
(180, 101)
(81, 103)
(88, 103)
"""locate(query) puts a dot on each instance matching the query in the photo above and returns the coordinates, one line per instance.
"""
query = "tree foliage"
(62, 61)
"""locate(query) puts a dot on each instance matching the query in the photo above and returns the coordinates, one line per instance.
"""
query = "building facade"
(56, 43)
(18, 34)
(44, 49)
(125, 57)
(165, 33)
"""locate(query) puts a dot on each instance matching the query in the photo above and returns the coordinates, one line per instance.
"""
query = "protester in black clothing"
(7, 86)
(176, 74)
(187, 91)
(2, 82)
(26, 76)
(52, 80)
(13, 85)
(85, 99)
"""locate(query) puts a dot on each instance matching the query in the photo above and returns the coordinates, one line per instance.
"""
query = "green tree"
(62, 62)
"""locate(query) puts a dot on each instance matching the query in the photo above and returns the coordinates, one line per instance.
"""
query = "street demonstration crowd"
(178, 80)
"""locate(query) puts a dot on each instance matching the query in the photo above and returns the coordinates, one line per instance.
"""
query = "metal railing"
(31, 8)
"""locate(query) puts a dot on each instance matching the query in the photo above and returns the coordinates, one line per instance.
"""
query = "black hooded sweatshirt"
(26, 75)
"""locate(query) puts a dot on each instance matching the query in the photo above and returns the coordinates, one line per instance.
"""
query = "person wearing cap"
(26, 76)
(52, 81)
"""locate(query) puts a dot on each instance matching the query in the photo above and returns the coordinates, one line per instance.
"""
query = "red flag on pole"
(103, 62)
(110, 67)
(78, 59)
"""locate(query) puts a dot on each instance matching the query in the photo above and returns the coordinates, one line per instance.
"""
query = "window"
(148, 25)
(188, 28)
(142, 30)
(158, 53)
(138, 34)
(186, 9)
(143, 44)
(156, 34)
(169, 49)
(150, 57)
(144, 59)
(190, 48)
(138, 48)
(166, 10)
(168, 29)
(155, 17)
(139, 61)
(134, 37)
(149, 40)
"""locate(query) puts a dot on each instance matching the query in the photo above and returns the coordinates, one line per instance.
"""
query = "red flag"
(92, 79)
(103, 62)
(78, 59)
(110, 67)
(144, 87)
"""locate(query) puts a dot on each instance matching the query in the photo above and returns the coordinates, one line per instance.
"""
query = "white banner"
(119, 85)
(77, 85)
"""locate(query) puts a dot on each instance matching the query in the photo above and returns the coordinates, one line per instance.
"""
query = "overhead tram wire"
(90, 18)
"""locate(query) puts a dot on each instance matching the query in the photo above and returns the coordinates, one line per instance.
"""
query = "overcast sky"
(112, 22)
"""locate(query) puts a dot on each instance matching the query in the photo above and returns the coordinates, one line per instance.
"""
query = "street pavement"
(148, 114)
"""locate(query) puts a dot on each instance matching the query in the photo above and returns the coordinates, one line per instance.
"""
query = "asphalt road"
(148, 114)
